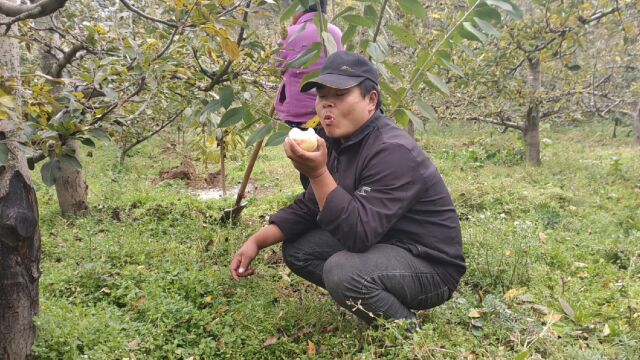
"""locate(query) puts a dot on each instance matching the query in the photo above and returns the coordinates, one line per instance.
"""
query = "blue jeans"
(384, 281)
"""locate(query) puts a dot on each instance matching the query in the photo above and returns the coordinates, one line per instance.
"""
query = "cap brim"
(332, 80)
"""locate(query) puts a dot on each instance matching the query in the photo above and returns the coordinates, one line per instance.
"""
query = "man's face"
(343, 111)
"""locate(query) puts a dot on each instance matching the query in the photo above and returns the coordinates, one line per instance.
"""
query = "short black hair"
(314, 7)
(366, 86)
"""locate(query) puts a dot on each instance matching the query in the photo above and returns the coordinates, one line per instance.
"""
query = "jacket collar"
(365, 129)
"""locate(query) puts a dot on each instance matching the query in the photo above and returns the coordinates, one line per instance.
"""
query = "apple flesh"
(306, 140)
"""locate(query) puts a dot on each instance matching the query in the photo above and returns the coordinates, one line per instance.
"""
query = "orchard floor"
(553, 254)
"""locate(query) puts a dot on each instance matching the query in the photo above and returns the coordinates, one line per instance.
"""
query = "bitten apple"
(307, 140)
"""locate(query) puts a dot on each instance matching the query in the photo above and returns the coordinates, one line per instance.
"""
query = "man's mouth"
(328, 119)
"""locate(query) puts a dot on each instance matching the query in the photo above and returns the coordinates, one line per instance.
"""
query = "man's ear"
(373, 99)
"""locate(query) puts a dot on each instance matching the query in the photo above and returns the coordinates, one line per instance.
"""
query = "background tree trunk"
(636, 121)
(70, 185)
(532, 125)
(19, 231)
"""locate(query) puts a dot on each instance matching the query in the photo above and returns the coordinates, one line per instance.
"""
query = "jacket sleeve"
(299, 217)
(390, 182)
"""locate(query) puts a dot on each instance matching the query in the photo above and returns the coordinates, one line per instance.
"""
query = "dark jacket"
(388, 192)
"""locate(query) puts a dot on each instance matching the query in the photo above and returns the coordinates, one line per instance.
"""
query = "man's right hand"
(240, 265)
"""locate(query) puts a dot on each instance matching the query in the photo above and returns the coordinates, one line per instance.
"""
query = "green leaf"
(574, 67)
(501, 4)
(401, 117)
(394, 70)
(522, 356)
(309, 76)
(344, 11)
(71, 161)
(50, 171)
(99, 134)
(487, 28)
(226, 96)
(376, 52)
(403, 35)
(437, 84)
(413, 8)
(329, 43)
(359, 20)
(427, 110)
(4, 154)
(469, 32)
(259, 134)
(292, 9)
(370, 13)
(212, 106)
(88, 142)
(567, 309)
(451, 66)
(307, 57)
(348, 34)
(389, 92)
(489, 14)
(277, 138)
(231, 117)
(417, 122)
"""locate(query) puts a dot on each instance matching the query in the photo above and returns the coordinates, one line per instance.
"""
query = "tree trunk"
(636, 121)
(70, 185)
(532, 125)
(19, 232)
(222, 163)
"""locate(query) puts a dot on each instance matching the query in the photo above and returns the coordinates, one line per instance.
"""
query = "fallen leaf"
(605, 330)
(311, 348)
(567, 309)
(135, 306)
(553, 317)
(540, 309)
(542, 237)
(134, 345)
(474, 314)
(511, 294)
(270, 340)
(105, 290)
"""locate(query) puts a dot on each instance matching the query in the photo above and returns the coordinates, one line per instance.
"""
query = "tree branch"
(501, 122)
(153, 133)
(31, 11)
(598, 15)
(128, 5)
(219, 76)
(66, 59)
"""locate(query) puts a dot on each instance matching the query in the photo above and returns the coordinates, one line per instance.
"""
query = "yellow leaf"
(312, 123)
(511, 294)
(230, 48)
(474, 314)
(553, 317)
(311, 348)
(585, 6)
(101, 30)
(208, 299)
(225, 2)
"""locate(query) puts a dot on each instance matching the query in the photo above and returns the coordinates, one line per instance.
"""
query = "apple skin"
(306, 140)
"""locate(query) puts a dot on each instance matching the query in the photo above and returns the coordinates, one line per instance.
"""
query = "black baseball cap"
(343, 70)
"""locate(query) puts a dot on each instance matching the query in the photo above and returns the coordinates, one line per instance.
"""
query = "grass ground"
(553, 256)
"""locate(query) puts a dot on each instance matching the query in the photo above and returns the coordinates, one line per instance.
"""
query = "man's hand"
(312, 164)
(240, 265)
